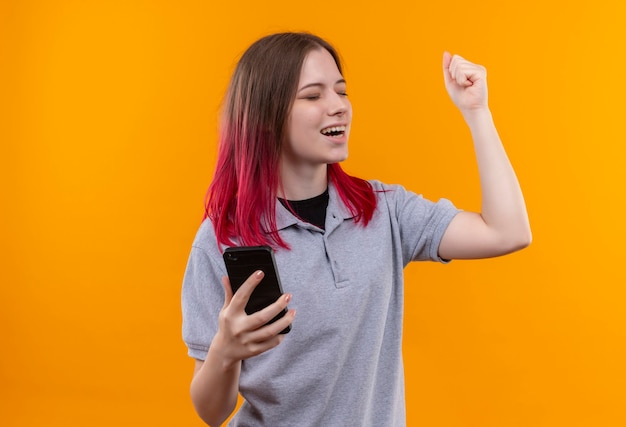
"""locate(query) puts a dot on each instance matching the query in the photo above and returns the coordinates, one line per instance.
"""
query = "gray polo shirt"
(341, 365)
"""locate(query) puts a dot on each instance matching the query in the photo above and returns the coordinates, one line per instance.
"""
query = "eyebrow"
(319, 84)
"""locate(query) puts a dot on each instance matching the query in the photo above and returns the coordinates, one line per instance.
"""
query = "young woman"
(341, 245)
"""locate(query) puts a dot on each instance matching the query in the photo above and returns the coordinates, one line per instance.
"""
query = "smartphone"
(241, 262)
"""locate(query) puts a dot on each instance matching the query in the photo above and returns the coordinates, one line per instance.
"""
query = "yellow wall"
(107, 133)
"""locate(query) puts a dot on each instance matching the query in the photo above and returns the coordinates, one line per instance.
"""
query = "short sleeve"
(422, 222)
(202, 293)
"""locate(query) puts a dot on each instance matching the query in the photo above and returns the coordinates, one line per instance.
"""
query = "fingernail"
(258, 274)
(287, 297)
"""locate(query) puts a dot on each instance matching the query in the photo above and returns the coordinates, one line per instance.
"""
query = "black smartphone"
(241, 262)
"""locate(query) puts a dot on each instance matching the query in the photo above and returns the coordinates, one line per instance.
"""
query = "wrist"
(219, 355)
(477, 115)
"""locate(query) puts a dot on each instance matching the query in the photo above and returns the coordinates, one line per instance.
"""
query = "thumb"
(447, 59)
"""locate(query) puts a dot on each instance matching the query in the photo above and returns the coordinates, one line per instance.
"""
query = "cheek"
(303, 119)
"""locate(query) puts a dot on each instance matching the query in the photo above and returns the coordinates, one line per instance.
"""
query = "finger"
(242, 295)
(256, 348)
(454, 65)
(464, 72)
(471, 74)
(228, 291)
(267, 332)
(463, 75)
(266, 314)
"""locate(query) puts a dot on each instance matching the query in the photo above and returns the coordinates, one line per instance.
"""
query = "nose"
(339, 105)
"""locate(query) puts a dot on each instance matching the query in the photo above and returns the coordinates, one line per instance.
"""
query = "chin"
(337, 160)
(339, 156)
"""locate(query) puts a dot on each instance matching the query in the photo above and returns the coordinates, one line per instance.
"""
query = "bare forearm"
(214, 388)
(503, 206)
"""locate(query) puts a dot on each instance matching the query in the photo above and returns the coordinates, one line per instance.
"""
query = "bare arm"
(214, 389)
(502, 226)
(215, 382)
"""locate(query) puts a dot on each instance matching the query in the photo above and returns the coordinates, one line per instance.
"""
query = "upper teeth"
(334, 129)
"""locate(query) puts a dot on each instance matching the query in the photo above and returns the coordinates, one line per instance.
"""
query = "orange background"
(107, 132)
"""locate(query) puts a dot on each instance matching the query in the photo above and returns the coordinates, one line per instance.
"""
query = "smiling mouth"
(334, 131)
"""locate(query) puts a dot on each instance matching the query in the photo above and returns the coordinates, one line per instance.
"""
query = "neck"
(303, 183)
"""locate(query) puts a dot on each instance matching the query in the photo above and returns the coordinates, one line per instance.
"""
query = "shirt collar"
(284, 218)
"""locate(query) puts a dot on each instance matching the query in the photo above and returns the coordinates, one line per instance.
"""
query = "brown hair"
(241, 199)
